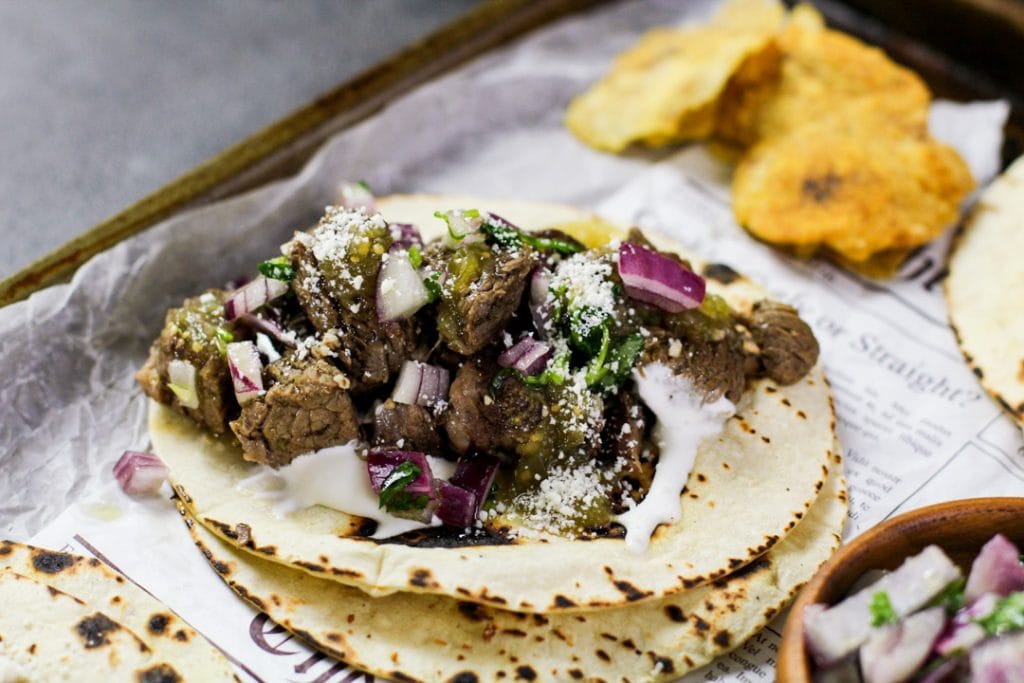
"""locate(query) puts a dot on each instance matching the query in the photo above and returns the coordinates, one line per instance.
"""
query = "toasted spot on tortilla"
(663, 663)
(576, 673)
(158, 623)
(700, 624)
(464, 677)
(181, 635)
(50, 562)
(310, 566)
(675, 613)
(722, 638)
(161, 673)
(602, 655)
(94, 629)
(720, 273)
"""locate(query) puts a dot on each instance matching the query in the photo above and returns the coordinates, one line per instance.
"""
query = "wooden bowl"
(959, 527)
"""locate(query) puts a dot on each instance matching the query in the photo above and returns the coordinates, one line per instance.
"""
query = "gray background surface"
(104, 102)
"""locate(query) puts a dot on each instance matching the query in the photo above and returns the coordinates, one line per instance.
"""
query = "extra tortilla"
(749, 488)
(88, 580)
(432, 638)
(985, 289)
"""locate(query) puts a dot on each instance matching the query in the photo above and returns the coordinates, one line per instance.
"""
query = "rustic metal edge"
(280, 148)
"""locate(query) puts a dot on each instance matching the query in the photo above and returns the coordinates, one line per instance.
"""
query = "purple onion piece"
(246, 370)
(837, 631)
(421, 384)
(269, 327)
(248, 298)
(476, 473)
(380, 465)
(895, 652)
(458, 507)
(997, 569)
(528, 355)
(962, 633)
(658, 280)
(140, 473)
(405, 235)
(999, 660)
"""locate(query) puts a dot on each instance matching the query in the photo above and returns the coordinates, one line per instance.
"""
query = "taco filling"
(494, 380)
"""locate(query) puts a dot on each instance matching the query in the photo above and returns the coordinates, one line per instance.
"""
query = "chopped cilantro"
(1007, 616)
(433, 284)
(415, 256)
(507, 236)
(279, 268)
(446, 217)
(224, 338)
(394, 497)
(595, 368)
(952, 596)
(587, 326)
(619, 363)
(365, 185)
(882, 612)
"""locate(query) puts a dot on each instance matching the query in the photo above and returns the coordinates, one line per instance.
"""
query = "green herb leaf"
(587, 326)
(433, 284)
(279, 268)
(393, 496)
(882, 612)
(224, 338)
(365, 185)
(507, 236)
(952, 596)
(1007, 616)
(621, 360)
(596, 369)
(415, 256)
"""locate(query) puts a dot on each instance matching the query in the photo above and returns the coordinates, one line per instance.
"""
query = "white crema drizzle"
(336, 478)
(684, 420)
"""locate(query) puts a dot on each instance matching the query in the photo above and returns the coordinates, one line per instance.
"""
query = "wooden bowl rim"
(915, 529)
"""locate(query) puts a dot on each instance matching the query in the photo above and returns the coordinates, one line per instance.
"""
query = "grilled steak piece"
(407, 427)
(336, 284)
(482, 290)
(306, 407)
(190, 334)
(788, 347)
(716, 366)
(478, 421)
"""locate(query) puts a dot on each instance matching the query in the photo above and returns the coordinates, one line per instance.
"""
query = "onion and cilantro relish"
(882, 611)
(394, 497)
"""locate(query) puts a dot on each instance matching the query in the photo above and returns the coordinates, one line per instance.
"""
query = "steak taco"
(510, 403)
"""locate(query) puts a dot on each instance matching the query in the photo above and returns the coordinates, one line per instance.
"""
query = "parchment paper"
(915, 425)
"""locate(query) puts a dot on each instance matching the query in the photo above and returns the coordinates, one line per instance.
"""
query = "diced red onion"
(835, 632)
(997, 569)
(181, 377)
(998, 660)
(357, 196)
(528, 355)
(540, 306)
(246, 370)
(248, 298)
(405, 235)
(656, 279)
(140, 474)
(400, 291)
(893, 653)
(476, 473)
(270, 327)
(421, 384)
(962, 633)
(458, 507)
(381, 464)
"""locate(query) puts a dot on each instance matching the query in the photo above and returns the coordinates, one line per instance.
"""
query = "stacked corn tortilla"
(763, 508)
(63, 613)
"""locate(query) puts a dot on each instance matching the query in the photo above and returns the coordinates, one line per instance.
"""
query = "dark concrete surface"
(104, 102)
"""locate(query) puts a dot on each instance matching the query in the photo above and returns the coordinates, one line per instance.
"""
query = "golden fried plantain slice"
(821, 70)
(666, 88)
(851, 186)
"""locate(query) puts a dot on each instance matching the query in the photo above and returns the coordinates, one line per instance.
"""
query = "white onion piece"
(421, 384)
(540, 307)
(400, 291)
(462, 228)
(266, 347)
(248, 298)
(998, 660)
(140, 474)
(835, 632)
(893, 653)
(181, 377)
(658, 280)
(963, 633)
(246, 370)
(357, 196)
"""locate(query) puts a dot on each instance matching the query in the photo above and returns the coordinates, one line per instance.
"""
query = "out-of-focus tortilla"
(985, 290)
(434, 638)
(750, 487)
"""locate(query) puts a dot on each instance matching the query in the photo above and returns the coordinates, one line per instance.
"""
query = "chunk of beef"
(625, 441)
(788, 347)
(477, 421)
(371, 351)
(190, 334)
(406, 426)
(482, 290)
(716, 365)
(306, 408)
